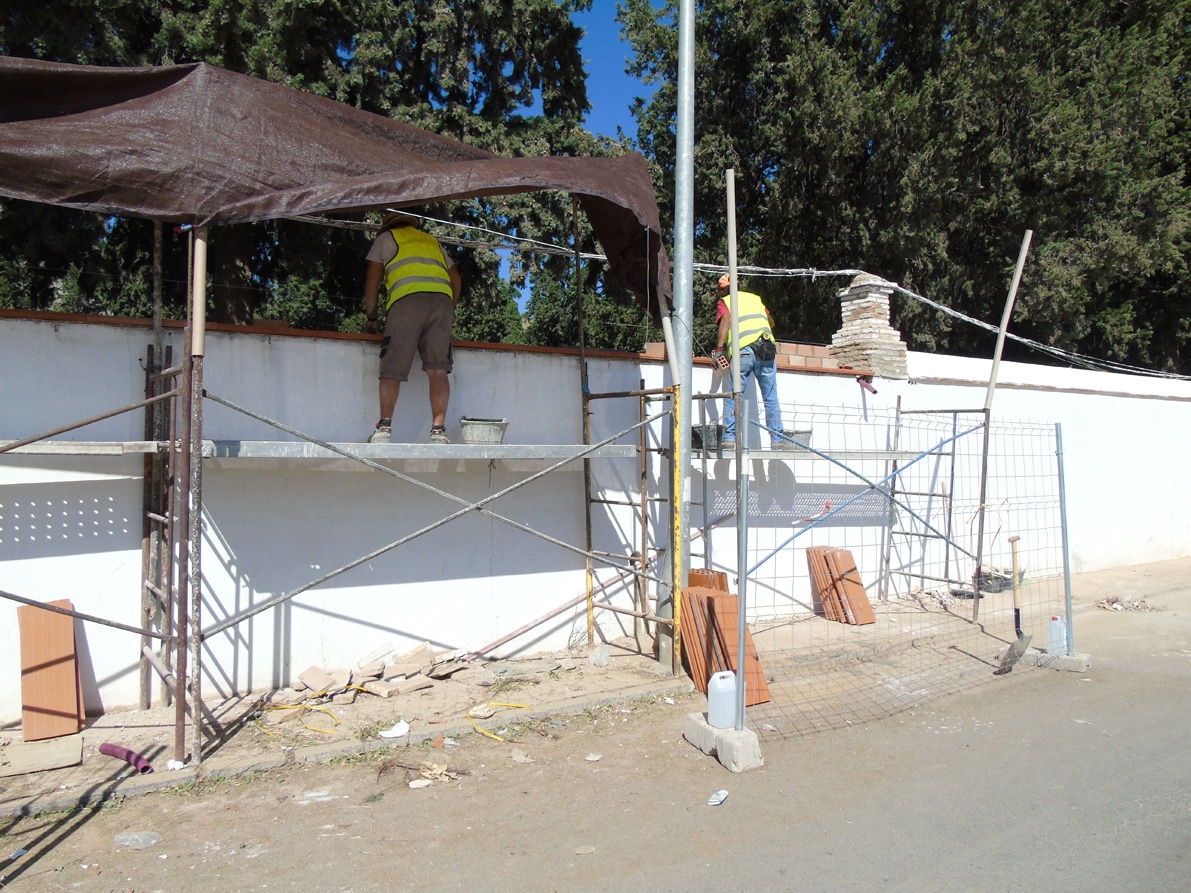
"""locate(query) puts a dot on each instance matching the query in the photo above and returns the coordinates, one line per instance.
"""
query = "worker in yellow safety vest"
(758, 356)
(422, 286)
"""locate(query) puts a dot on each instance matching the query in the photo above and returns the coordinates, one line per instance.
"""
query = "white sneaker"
(382, 434)
(438, 434)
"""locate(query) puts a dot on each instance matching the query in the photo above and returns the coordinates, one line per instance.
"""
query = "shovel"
(1017, 649)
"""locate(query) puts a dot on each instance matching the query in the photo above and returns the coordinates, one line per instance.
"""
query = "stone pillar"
(866, 340)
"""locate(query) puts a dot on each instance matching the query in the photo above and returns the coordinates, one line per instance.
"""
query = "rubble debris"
(1124, 603)
(401, 670)
(382, 689)
(447, 669)
(370, 670)
(418, 655)
(428, 771)
(376, 654)
(342, 679)
(316, 678)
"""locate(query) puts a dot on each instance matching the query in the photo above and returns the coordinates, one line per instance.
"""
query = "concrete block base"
(1072, 663)
(736, 751)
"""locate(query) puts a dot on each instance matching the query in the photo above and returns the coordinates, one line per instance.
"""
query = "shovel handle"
(1016, 588)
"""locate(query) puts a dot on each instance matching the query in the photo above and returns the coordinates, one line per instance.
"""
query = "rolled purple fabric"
(131, 757)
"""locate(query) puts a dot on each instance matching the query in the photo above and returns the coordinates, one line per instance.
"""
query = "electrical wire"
(527, 245)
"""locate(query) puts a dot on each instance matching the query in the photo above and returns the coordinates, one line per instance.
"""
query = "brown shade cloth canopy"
(200, 145)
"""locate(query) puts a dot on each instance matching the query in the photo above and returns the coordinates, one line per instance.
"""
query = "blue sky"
(609, 89)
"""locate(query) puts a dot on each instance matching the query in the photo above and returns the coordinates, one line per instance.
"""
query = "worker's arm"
(456, 284)
(721, 335)
(372, 277)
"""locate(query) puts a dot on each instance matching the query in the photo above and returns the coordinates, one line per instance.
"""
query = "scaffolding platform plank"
(799, 454)
(226, 451)
(82, 448)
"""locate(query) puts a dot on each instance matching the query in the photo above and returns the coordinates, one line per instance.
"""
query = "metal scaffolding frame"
(171, 603)
(172, 499)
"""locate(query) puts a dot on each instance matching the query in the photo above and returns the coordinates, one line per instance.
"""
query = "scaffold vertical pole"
(198, 349)
(585, 385)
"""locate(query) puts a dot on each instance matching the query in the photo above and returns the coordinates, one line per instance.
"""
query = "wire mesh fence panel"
(897, 494)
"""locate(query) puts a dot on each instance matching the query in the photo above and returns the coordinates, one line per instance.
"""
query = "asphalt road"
(1044, 780)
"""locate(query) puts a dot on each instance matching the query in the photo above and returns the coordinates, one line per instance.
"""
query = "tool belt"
(764, 349)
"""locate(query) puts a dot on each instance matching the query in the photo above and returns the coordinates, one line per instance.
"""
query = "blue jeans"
(766, 373)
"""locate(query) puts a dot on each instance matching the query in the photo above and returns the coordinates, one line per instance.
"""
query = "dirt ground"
(269, 798)
(289, 807)
(483, 698)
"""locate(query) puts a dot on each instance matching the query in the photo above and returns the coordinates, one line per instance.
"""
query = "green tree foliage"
(504, 75)
(919, 140)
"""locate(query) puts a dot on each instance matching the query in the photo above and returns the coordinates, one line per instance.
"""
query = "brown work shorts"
(420, 323)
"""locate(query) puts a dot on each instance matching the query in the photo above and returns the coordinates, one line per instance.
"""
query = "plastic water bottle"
(721, 700)
(1056, 638)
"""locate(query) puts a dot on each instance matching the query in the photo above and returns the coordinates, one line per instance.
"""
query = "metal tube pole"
(585, 387)
(195, 446)
(684, 246)
(742, 485)
(1008, 311)
(980, 519)
(988, 399)
(1066, 543)
(182, 619)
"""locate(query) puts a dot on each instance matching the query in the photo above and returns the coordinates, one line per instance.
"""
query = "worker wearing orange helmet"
(758, 356)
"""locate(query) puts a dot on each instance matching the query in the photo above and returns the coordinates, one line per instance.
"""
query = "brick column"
(866, 340)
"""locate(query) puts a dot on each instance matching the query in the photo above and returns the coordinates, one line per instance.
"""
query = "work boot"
(438, 434)
(383, 432)
(785, 442)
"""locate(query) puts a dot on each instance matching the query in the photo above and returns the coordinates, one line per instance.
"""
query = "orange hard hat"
(725, 281)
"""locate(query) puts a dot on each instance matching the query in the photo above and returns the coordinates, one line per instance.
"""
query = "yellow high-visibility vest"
(419, 265)
(751, 317)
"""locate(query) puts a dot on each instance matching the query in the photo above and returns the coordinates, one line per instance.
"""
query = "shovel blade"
(1013, 655)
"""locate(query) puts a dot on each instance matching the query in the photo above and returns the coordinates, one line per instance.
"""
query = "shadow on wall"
(777, 500)
(273, 532)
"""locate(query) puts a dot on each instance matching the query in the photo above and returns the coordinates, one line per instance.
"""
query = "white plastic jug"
(1056, 638)
(721, 700)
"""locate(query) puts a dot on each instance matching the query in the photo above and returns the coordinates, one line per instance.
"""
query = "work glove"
(719, 358)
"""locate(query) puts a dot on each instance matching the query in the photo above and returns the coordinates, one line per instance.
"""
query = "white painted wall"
(70, 526)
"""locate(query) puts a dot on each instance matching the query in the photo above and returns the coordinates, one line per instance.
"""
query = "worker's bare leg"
(389, 391)
(440, 395)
